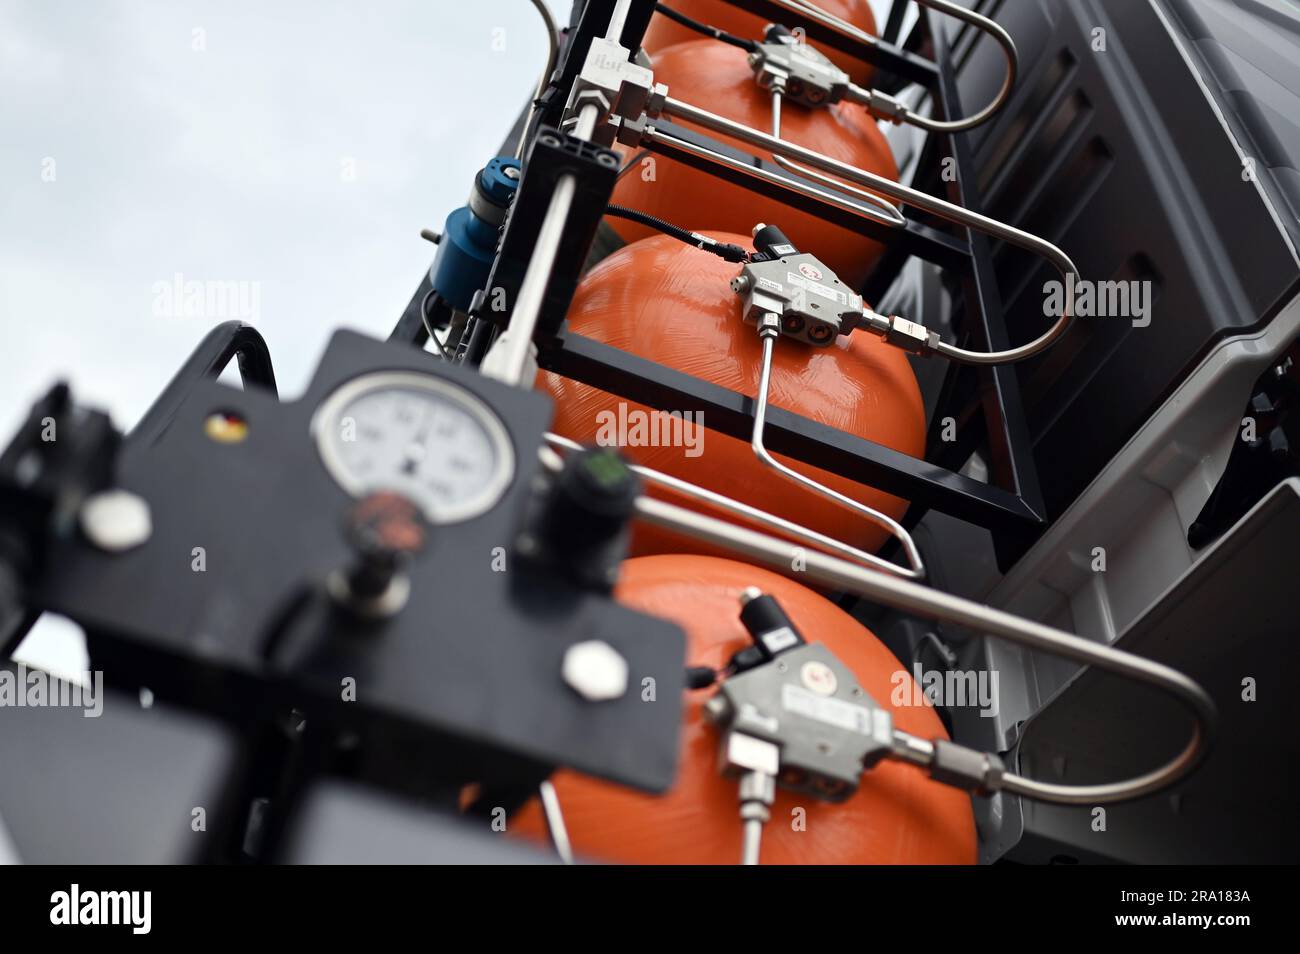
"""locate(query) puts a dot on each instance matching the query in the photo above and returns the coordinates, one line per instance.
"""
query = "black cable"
(724, 250)
(428, 324)
(749, 46)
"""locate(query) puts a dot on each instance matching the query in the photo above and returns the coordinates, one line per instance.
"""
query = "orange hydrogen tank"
(897, 816)
(718, 78)
(670, 302)
(664, 32)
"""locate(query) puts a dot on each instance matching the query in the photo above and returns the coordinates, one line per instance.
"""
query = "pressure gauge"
(431, 441)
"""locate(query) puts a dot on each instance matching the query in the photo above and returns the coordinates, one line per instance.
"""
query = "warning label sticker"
(817, 288)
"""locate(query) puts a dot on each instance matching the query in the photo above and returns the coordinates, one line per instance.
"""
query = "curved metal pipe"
(907, 196)
(933, 604)
(838, 200)
(769, 333)
(730, 505)
(892, 215)
(896, 111)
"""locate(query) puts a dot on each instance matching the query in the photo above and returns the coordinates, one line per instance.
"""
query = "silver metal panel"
(1229, 620)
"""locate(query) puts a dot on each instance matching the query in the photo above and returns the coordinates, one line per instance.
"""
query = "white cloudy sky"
(227, 164)
(135, 148)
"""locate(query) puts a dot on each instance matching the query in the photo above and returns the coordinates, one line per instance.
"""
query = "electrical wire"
(749, 46)
(552, 55)
(724, 250)
(428, 327)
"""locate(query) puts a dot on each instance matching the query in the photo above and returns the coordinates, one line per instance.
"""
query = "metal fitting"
(757, 792)
(956, 765)
(879, 105)
(800, 72)
(910, 336)
(655, 103)
(808, 300)
(629, 132)
(624, 87)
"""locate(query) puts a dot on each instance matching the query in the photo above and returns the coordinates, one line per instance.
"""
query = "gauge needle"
(416, 451)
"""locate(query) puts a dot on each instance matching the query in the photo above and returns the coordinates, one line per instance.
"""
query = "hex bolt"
(595, 670)
(115, 520)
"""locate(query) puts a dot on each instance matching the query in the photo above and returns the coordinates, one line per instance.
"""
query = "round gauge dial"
(417, 435)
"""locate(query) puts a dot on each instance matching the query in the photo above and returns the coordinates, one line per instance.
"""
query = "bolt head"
(595, 670)
(115, 520)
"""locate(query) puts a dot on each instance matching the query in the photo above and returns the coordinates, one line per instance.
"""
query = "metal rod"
(555, 821)
(933, 604)
(511, 363)
(653, 135)
(819, 445)
(1005, 43)
(722, 502)
(892, 216)
(617, 20)
(829, 20)
(769, 329)
(514, 345)
(753, 841)
(908, 196)
(229, 340)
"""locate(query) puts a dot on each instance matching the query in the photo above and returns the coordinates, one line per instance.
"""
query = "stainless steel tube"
(933, 604)
(908, 196)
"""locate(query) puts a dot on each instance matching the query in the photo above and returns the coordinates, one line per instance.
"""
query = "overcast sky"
(296, 147)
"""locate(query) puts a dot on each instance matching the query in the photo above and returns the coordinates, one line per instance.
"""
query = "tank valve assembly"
(813, 305)
(787, 65)
(803, 73)
(809, 300)
(791, 714)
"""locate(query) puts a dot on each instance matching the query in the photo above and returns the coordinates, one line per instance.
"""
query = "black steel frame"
(987, 399)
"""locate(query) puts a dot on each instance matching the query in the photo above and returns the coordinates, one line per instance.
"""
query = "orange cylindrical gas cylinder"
(717, 77)
(730, 18)
(667, 301)
(897, 816)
